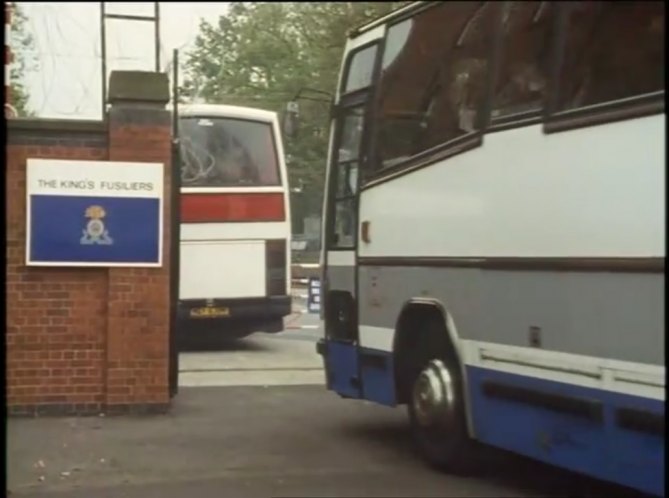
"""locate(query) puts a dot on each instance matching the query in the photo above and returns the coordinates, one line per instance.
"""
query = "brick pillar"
(139, 299)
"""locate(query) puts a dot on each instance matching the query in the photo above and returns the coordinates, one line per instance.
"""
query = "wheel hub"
(433, 396)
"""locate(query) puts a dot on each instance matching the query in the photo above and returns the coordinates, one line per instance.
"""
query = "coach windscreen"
(222, 152)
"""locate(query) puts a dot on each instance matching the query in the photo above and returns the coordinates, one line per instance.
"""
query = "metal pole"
(175, 93)
(103, 56)
(157, 16)
(175, 246)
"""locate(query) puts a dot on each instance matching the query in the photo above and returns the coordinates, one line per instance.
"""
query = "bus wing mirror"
(291, 119)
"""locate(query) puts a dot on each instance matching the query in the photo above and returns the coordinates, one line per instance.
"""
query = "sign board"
(94, 213)
(314, 295)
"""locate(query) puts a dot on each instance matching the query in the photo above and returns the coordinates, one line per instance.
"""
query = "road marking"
(288, 377)
(265, 369)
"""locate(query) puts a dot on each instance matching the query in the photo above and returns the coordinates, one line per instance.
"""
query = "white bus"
(494, 240)
(235, 222)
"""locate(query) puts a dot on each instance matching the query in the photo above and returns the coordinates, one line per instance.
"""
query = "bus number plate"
(209, 312)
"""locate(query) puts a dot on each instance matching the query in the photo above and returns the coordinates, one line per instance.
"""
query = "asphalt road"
(253, 419)
(286, 358)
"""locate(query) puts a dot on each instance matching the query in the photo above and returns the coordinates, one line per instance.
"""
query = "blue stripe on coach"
(594, 443)
(601, 449)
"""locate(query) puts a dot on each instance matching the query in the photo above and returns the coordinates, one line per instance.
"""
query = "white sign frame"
(55, 170)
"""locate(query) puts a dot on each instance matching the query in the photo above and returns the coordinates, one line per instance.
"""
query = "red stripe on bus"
(208, 208)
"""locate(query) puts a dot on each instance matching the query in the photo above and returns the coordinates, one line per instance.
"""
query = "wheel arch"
(446, 318)
(425, 308)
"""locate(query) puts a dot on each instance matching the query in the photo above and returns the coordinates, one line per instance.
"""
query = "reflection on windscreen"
(219, 152)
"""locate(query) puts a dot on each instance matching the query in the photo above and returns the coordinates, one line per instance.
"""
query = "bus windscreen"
(224, 152)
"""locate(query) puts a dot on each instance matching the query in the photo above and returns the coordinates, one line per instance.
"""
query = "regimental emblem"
(95, 231)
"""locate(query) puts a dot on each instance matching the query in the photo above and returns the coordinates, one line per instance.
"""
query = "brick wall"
(85, 340)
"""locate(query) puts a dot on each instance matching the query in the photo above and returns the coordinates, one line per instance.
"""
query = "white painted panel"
(232, 190)
(227, 111)
(623, 377)
(389, 18)
(379, 338)
(235, 231)
(341, 258)
(69, 177)
(365, 38)
(224, 269)
(283, 169)
(592, 192)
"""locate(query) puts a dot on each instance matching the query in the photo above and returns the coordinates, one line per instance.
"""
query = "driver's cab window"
(360, 70)
(345, 178)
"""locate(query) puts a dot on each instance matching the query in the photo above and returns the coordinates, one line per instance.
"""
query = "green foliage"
(261, 54)
(22, 45)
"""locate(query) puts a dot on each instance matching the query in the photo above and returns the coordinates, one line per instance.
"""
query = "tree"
(22, 46)
(262, 54)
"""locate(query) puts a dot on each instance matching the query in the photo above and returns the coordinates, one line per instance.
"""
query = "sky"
(67, 82)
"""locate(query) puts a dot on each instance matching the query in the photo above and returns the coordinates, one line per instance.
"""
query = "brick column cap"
(143, 87)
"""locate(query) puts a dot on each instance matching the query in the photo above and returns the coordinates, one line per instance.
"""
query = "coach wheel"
(437, 418)
(433, 397)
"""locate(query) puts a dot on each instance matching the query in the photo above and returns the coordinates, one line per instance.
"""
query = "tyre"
(436, 406)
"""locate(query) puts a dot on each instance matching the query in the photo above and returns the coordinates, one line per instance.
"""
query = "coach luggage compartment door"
(222, 269)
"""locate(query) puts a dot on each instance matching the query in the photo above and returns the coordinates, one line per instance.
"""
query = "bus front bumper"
(234, 309)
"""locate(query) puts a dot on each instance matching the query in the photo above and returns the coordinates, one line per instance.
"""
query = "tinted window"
(351, 135)
(433, 79)
(344, 224)
(360, 69)
(345, 179)
(217, 152)
(613, 50)
(525, 58)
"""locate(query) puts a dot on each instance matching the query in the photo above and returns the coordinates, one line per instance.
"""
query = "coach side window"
(432, 81)
(613, 51)
(525, 56)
